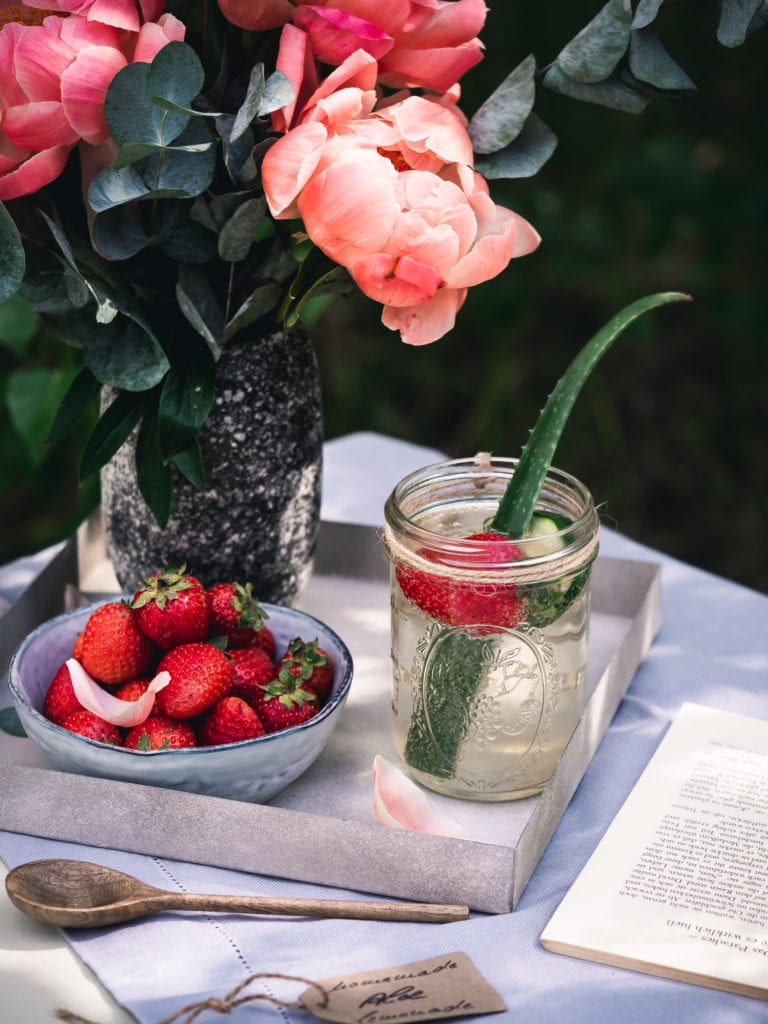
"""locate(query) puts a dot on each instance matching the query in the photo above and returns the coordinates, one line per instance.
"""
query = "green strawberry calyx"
(301, 659)
(162, 588)
(252, 615)
(288, 692)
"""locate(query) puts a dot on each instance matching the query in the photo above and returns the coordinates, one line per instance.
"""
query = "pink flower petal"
(38, 126)
(399, 803)
(95, 698)
(295, 61)
(288, 166)
(335, 35)
(41, 58)
(428, 322)
(450, 25)
(29, 177)
(395, 281)
(433, 69)
(83, 87)
(154, 36)
(119, 13)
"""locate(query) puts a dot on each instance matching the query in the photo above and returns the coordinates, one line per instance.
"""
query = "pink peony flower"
(392, 196)
(53, 80)
(123, 14)
(257, 15)
(428, 43)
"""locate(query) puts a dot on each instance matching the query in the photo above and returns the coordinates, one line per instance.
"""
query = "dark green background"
(670, 431)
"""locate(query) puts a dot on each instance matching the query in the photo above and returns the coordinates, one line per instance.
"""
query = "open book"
(678, 886)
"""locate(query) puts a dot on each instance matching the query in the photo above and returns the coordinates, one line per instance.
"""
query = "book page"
(678, 886)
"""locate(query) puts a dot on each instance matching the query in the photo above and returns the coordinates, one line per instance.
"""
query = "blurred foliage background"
(669, 432)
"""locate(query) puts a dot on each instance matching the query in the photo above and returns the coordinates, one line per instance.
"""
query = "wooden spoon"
(78, 894)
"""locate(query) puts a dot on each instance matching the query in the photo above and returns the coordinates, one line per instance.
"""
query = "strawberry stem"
(518, 502)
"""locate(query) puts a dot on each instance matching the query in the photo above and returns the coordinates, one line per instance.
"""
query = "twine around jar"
(514, 573)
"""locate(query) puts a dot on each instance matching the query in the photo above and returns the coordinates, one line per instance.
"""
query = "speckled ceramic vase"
(262, 451)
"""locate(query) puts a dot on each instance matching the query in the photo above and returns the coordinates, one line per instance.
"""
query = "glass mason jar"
(489, 637)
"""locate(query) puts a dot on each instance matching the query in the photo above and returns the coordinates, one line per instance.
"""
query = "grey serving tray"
(322, 828)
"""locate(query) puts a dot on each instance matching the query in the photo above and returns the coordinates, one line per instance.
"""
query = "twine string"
(540, 572)
(188, 1014)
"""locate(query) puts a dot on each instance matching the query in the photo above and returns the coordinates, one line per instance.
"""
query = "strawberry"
(77, 650)
(237, 615)
(252, 669)
(286, 704)
(464, 603)
(158, 733)
(230, 721)
(172, 608)
(60, 700)
(113, 648)
(308, 665)
(132, 690)
(200, 675)
(85, 723)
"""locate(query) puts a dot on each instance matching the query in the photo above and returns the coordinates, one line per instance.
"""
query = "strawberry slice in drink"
(461, 602)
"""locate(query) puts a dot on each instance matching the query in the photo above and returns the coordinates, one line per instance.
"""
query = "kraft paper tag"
(445, 986)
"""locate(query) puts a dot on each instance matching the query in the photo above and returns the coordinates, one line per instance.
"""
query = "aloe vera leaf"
(518, 502)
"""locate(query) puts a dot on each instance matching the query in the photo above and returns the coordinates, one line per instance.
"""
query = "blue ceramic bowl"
(254, 770)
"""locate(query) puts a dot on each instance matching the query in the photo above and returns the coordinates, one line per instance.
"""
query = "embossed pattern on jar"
(483, 710)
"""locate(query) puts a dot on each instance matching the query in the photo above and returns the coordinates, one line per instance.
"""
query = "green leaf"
(153, 475)
(132, 116)
(611, 93)
(186, 399)
(646, 13)
(81, 393)
(200, 306)
(261, 301)
(501, 118)
(112, 431)
(237, 152)
(649, 62)
(181, 237)
(117, 232)
(125, 356)
(321, 286)
(32, 397)
(175, 76)
(278, 92)
(236, 237)
(595, 52)
(519, 500)
(189, 462)
(11, 723)
(12, 260)
(525, 156)
(135, 151)
(18, 324)
(249, 108)
(735, 20)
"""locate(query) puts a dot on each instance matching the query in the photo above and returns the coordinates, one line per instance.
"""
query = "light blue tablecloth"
(712, 649)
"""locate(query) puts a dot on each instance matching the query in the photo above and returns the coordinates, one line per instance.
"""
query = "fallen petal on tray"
(400, 803)
(119, 712)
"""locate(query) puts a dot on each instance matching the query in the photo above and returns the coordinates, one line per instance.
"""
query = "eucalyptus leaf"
(278, 92)
(611, 93)
(525, 156)
(649, 62)
(12, 259)
(594, 53)
(321, 286)
(132, 152)
(760, 18)
(77, 290)
(131, 115)
(502, 117)
(125, 356)
(81, 393)
(237, 152)
(646, 12)
(181, 237)
(32, 396)
(176, 75)
(261, 301)
(200, 307)
(185, 401)
(112, 431)
(236, 237)
(735, 20)
(249, 108)
(189, 462)
(153, 475)
(518, 502)
(117, 233)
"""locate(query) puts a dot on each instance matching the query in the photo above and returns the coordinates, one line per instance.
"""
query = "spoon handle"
(436, 913)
